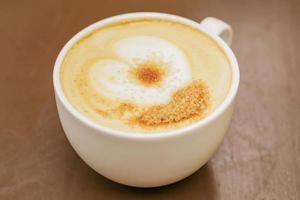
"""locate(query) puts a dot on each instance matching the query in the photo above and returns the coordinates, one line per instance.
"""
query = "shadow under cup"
(145, 160)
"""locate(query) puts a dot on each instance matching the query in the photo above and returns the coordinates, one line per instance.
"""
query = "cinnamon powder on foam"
(150, 72)
(188, 103)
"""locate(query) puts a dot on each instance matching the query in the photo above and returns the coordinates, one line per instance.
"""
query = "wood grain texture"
(260, 157)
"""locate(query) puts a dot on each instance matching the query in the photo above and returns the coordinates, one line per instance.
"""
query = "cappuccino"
(145, 75)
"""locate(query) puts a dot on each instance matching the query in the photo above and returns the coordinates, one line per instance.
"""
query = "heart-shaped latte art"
(149, 58)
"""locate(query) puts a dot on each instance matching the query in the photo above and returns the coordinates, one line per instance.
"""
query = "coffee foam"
(113, 79)
(145, 75)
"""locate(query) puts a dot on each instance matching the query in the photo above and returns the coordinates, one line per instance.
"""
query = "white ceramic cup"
(148, 160)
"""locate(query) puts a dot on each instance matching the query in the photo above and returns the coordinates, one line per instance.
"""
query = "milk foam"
(111, 78)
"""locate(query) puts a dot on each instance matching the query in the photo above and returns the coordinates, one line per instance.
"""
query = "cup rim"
(141, 135)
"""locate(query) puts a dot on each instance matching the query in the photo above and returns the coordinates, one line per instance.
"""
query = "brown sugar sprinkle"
(187, 103)
(150, 72)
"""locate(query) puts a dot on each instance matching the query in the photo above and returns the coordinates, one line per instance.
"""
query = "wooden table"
(260, 157)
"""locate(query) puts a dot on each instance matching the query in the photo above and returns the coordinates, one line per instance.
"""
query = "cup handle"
(218, 27)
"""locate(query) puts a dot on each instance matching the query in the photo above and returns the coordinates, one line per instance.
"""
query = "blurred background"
(260, 157)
